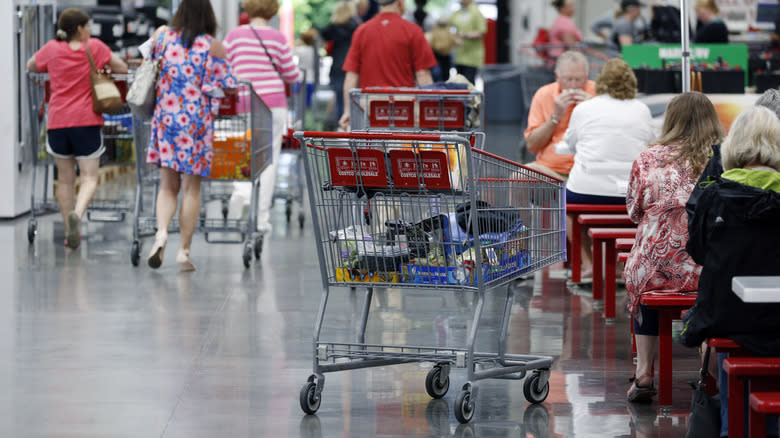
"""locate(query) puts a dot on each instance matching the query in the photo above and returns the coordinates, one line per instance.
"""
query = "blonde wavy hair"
(691, 124)
(617, 80)
(342, 12)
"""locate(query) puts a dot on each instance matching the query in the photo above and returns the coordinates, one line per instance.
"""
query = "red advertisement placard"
(447, 114)
(402, 114)
(369, 168)
(406, 174)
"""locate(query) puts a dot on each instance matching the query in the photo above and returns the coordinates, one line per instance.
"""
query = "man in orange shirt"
(551, 109)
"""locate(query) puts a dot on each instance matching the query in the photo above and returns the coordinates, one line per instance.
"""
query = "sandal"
(73, 236)
(641, 393)
(158, 250)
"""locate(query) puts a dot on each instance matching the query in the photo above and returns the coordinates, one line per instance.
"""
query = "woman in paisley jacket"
(661, 181)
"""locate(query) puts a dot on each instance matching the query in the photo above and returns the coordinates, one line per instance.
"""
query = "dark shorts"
(578, 198)
(78, 142)
(649, 321)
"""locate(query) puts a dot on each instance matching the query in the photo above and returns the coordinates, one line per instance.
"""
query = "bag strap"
(704, 369)
(164, 37)
(91, 60)
(273, 64)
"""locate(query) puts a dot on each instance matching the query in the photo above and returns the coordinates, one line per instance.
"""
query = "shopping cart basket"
(445, 216)
(117, 139)
(290, 185)
(241, 151)
(410, 108)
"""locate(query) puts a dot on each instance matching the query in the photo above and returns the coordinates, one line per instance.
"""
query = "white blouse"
(606, 135)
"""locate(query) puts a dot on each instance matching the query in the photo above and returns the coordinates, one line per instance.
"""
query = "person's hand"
(566, 99)
(344, 122)
(579, 95)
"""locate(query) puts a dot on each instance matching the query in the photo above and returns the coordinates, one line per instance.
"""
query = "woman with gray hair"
(733, 232)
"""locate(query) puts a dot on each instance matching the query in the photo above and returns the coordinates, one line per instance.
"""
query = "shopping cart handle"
(381, 136)
(419, 91)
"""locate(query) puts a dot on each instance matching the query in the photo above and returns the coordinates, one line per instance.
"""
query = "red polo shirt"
(387, 50)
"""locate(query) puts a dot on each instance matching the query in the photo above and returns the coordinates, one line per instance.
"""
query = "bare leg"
(167, 201)
(66, 178)
(88, 174)
(190, 208)
(586, 251)
(645, 355)
(188, 219)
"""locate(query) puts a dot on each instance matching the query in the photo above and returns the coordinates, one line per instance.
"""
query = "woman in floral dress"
(183, 123)
(661, 181)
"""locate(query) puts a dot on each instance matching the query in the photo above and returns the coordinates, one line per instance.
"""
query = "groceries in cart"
(437, 250)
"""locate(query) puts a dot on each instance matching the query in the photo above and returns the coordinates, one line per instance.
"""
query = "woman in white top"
(606, 134)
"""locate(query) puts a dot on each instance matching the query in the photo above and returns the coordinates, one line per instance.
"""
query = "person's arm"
(422, 77)
(217, 49)
(117, 65)
(625, 40)
(32, 65)
(635, 191)
(351, 80)
(541, 135)
(601, 24)
(570, 38)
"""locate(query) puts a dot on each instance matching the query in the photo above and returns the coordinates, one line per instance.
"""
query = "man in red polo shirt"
(387, 51)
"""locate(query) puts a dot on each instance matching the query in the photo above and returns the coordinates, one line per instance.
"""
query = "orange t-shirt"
(542, 107)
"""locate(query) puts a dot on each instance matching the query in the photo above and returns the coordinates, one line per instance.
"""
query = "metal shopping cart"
(416, 108)
(446, 216)
(290, 185)
(117, 139)
(242, 150)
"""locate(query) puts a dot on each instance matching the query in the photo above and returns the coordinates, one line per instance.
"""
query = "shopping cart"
(415, 108)
(290, 185)
(242, 149)
(445, 216)
(117, 139)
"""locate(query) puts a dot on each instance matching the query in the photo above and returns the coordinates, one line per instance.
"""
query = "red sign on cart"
(401, 115)
(447, 114)
(405, 166)
(368, 170)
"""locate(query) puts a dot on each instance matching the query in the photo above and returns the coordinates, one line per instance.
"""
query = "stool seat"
(765, 402)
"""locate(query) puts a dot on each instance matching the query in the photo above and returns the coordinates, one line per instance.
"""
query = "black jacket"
(734, 231)
(341, 35)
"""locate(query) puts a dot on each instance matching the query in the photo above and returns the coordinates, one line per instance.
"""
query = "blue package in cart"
(493, 268)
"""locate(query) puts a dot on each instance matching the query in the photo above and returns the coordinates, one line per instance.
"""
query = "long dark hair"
(193, 18)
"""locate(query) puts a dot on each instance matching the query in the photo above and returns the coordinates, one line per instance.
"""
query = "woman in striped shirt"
(260, 54)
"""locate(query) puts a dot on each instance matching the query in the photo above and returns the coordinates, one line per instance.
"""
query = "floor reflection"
(92, 346)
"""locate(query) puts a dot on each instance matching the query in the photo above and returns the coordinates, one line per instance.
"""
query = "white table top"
(764, 289)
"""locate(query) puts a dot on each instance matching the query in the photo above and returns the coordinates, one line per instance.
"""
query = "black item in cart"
(382, 263)
(415, 238)
(489, 219)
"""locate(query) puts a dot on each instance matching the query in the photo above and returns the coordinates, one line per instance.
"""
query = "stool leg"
(597, 270)
(610, 264)
(757, 424)
(736, 401)
(664, 357)
(575, 256)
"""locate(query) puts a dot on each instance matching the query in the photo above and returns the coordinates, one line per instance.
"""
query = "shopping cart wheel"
(135, 253)
(301, 220)
(258, 246)
(310, 401)
(32, 230)
(531, 390)
(464, 407)
(247, 256)
(536, 420)
(433, 384)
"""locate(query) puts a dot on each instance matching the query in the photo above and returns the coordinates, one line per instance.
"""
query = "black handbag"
(704, 421)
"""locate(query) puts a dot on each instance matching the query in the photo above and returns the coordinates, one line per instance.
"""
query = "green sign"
(650, 55)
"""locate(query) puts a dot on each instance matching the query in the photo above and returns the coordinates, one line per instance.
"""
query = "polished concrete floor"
(91, 346)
